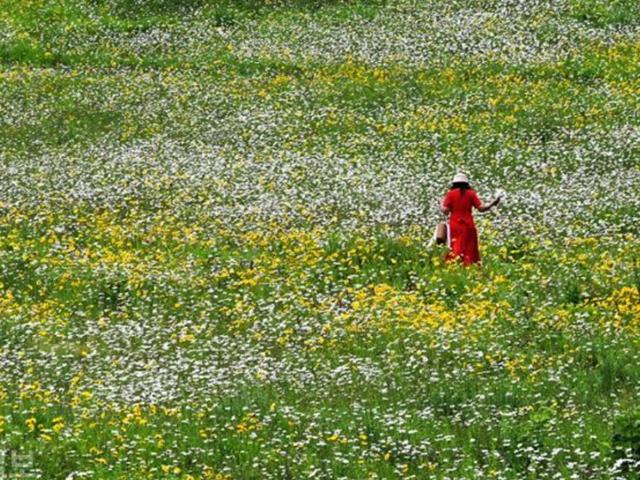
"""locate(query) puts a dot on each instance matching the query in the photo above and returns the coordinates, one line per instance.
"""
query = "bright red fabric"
(464, 236)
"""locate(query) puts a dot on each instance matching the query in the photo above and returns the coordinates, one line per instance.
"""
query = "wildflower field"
(214, 228)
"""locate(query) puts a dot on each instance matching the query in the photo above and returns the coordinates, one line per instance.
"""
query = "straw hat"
(460, 177)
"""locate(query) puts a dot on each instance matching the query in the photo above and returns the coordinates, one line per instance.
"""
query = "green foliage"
(626, 441)
(601, 13)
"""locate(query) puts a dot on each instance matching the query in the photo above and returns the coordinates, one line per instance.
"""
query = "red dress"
(464, 237)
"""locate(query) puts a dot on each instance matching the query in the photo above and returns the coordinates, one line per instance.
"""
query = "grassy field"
(214, 227)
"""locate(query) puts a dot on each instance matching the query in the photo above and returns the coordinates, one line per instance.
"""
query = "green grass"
(202, 275)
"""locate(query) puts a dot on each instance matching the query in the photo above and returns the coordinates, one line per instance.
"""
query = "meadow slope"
(214, 226)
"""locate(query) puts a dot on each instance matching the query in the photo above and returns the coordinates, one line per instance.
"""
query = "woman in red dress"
(458, 202)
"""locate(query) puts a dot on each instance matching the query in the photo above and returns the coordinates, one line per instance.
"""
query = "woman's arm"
(483, 207)
(444, 205)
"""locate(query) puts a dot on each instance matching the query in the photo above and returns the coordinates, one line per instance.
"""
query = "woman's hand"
(488, 206)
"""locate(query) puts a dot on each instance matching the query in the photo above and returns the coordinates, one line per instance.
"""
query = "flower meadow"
(214, 239)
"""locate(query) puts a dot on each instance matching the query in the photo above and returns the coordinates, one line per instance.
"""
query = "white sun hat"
(460, 177)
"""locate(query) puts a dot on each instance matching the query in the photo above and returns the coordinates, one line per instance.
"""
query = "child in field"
(458, 203)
